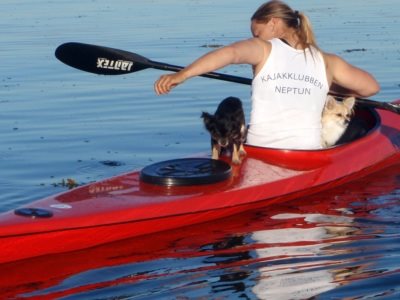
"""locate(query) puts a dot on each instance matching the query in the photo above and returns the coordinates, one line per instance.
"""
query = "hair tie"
(297, 16)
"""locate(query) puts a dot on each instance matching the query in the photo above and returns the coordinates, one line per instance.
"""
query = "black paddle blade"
(100, 60)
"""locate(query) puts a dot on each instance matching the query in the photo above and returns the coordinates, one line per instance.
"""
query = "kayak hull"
(124, 206)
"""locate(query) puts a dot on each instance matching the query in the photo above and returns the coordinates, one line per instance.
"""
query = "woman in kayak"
(292, 77)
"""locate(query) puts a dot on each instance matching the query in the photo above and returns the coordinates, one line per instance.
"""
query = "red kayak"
(186, 191)
(46, 273)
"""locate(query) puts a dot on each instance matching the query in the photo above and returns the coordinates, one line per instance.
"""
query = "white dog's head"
(339, 112)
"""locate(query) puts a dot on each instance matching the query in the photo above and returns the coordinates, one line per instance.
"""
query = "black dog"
(227, 128)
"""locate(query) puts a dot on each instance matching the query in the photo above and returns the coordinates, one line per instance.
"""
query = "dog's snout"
(223, 142)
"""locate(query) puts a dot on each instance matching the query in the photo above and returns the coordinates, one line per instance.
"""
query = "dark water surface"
(58, 123)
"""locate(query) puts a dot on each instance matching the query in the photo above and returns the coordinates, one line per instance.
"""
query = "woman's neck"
(290, 37)
(287, 34)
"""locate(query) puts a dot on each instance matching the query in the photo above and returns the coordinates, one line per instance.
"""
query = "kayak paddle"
(109, 61)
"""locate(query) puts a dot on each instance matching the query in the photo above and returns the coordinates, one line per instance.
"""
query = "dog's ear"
(206, 116)
(349, 102)
(208, 119)
(330, 102)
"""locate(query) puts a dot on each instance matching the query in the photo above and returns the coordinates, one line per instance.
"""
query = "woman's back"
(288, 96)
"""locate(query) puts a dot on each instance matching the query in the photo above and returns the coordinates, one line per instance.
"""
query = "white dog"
(335, 119)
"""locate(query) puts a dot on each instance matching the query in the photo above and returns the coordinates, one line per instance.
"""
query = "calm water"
(58, 123)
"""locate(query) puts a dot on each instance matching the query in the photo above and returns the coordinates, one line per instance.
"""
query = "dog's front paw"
(242, 152)
(215, 152)
(216, 157)
(236, 161)
(236, 158)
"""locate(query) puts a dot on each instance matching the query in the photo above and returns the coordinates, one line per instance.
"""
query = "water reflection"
(328, 246)
(297, 262)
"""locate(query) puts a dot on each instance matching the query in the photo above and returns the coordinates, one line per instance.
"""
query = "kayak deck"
(125, 206)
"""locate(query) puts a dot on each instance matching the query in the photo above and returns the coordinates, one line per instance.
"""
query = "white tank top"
(288, 96)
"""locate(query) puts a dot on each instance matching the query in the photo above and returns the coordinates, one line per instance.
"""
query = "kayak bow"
(126, 206)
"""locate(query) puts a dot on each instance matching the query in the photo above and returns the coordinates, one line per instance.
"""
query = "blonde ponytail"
(305, 32)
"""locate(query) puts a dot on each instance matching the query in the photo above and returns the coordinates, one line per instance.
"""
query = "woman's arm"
(349, 77)
(243, 52)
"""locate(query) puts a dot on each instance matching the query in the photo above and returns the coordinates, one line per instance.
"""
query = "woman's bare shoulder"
(349, 76)
(251, 51)
(331, 58)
